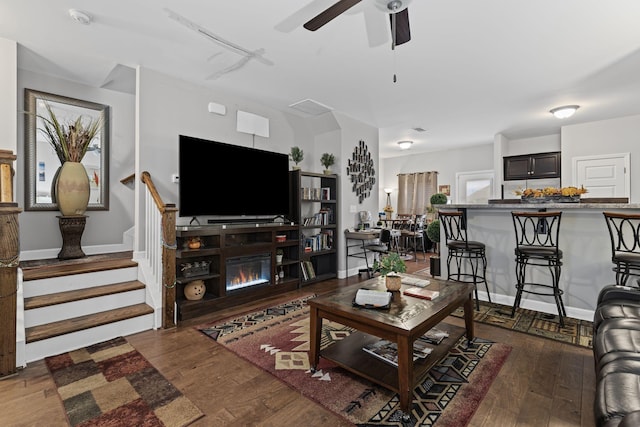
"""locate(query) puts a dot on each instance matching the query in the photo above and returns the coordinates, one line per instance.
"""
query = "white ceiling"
(473, 68)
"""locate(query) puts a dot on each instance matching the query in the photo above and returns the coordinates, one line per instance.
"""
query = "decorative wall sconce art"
(362, 172)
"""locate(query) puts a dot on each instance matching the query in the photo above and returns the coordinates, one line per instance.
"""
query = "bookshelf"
(314, 198)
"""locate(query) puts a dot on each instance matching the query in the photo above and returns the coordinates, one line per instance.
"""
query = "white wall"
(614, 136)
(169, 107)
(540, 144)
(8, 101)
(446, 163)
(39, 229)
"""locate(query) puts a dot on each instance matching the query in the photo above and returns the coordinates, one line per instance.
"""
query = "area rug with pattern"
(276, 339)
(112, 384)
(575, 331)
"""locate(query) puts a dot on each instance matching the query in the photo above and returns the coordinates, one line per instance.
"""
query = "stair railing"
(160, 247)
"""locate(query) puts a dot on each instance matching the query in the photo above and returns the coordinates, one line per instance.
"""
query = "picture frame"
(41, 162)
(445, 189)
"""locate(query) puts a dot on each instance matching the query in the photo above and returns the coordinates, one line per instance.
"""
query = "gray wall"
(169, 107)
(446, 163)
(39, 230)
(615, 136)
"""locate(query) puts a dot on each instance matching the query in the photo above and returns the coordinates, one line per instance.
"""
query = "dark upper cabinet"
(530, 166)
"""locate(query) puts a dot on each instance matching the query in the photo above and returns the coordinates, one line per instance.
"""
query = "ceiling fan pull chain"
(393, 45)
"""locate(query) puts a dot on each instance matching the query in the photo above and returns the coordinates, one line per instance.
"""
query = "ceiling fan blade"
(329, 14)
(377, 32)
(403, 33)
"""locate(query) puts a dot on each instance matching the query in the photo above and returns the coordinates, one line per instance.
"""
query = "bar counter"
(584, 241)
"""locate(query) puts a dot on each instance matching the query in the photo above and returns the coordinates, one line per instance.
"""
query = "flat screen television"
(231, 181)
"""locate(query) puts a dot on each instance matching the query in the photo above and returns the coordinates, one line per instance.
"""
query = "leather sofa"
(616, 349)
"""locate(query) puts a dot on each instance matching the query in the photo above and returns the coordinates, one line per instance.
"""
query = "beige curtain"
(415, 190)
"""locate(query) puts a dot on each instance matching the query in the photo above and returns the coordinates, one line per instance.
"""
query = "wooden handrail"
(168, 212)
(162, 207)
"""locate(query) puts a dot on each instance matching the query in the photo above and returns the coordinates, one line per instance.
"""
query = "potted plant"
(433, 233)
(279, 256)
(327, 160)
(70, 142)
(387, 266)
(296, 155)
(438, 199)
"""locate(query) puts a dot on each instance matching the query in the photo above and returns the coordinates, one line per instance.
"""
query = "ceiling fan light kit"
(392, 6)
(564, 111)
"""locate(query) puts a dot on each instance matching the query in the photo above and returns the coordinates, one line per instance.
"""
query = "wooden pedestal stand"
(9, 259)
(71, 228)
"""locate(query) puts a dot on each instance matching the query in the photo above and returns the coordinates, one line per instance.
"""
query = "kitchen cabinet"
(532, 166)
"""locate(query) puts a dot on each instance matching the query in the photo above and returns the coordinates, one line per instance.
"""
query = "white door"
(606, 175)
(474, 187)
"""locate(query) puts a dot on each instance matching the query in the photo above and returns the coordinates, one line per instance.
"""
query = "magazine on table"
(414, 281)
(434, 336)
(421, 348)
(387, 351)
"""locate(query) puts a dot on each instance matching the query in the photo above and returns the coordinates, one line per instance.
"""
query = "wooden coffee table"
(407, 319)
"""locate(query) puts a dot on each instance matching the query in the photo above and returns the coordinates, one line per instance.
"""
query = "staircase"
(74, 303)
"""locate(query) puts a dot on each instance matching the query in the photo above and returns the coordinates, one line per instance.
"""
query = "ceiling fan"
(397, 10)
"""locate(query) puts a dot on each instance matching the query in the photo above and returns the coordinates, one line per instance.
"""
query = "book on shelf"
(308, 271)
(433, 336)
(421, 293)
(387, 351)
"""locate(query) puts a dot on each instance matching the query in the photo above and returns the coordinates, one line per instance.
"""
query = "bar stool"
(470, 256)
(624, 231)
(537, 245)
(415, 235)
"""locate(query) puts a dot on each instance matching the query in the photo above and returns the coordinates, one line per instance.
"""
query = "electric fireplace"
(245, 271)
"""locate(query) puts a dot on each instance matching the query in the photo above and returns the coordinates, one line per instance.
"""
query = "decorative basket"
(393, 282)
(192, 269)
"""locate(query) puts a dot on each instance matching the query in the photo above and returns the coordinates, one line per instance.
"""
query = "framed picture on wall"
(444, 189)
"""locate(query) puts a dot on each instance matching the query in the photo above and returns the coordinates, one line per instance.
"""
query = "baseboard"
(543, 307)
(88, 250)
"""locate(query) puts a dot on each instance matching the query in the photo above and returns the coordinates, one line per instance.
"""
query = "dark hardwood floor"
(543, 382)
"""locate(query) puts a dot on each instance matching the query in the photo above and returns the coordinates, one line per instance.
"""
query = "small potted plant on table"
(388, 266)
(279, 256)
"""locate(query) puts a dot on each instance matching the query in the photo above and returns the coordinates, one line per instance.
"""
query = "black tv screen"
(219, 179)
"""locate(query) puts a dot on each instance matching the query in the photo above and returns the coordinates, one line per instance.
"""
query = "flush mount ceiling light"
(405, 145)
(564, 112)
(80, 16)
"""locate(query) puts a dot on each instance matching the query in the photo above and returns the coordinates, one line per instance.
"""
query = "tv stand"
(203, 253)
(230, 221)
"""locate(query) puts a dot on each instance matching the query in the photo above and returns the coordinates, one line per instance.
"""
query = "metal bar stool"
(624, 231)
(470, 256)
(537, 245)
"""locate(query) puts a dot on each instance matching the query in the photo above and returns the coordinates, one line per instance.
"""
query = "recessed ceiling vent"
(310, 106)
(419, 129)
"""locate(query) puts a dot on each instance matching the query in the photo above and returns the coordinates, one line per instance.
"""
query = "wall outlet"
(175, 178)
